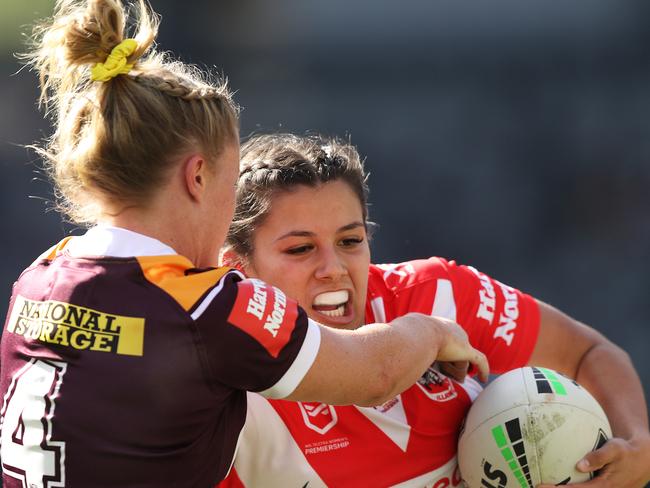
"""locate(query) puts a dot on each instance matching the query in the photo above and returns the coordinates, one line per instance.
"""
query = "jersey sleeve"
(255, 338)
(501, 321)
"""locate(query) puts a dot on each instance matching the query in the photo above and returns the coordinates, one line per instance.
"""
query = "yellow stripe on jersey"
(168, 273)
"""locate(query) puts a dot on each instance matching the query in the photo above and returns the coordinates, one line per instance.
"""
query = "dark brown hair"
(274, 163)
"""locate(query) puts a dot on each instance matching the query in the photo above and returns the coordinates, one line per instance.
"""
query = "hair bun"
(81, 34)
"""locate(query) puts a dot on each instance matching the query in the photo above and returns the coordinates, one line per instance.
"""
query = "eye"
(298, 250)
(351, 241)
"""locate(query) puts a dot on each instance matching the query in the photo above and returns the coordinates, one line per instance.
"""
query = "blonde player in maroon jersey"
(301, 224)
(126, 355)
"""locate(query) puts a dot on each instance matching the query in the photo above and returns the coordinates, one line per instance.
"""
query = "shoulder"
(192, 288)
(422, 285)
(52, 252)
(399, 276)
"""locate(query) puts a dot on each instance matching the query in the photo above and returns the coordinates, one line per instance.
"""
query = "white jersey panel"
(267, 455)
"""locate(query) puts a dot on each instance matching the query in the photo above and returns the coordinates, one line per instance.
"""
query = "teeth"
(334, 313)
(332, 298)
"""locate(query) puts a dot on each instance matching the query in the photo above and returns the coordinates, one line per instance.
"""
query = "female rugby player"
(126, 355)
(301, 224)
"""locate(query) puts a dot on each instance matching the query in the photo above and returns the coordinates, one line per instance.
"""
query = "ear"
(228, 257)
(195, 171)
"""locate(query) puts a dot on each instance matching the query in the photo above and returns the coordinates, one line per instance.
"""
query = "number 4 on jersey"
(26, 450)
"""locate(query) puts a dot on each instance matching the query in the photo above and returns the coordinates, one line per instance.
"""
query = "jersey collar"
(104, 240)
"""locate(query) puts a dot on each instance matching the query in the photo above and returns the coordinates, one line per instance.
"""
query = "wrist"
(641, 439)
(440, 334)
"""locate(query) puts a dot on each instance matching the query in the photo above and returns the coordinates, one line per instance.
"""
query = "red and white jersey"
(410, 441)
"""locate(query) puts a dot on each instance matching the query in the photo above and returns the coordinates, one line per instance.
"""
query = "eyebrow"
(306, 233)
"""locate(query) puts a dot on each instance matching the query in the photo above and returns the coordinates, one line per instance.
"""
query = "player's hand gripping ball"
(530, 426)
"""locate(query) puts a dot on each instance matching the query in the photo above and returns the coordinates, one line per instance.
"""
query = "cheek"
(291, 278)
(359, 271)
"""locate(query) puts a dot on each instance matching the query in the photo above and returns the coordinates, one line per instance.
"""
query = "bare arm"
(584, 354)
(372, 364)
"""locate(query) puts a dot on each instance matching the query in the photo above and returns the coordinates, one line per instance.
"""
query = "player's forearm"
(584, 354)
(422, 340)
(404, 349)
(607, 372)
(372, 364)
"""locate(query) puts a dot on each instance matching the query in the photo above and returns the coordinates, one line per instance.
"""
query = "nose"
(330, 266)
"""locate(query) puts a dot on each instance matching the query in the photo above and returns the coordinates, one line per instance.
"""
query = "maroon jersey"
(132, 371)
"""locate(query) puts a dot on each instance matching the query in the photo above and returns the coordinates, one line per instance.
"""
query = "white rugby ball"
(529, 426)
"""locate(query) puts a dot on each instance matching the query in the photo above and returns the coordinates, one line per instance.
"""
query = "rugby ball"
(529, 426)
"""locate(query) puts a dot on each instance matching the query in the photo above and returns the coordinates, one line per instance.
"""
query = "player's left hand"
(620, 463)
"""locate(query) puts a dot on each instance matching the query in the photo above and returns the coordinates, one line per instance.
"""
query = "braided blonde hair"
(116, 140)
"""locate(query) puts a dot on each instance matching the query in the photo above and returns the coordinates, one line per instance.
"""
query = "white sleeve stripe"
(297, 371)
(210, 296)
(444, 304)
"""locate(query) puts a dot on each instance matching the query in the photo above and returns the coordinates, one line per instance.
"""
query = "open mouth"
(332, 303)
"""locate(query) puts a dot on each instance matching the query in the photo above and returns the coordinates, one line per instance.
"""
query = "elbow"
(601, 352)
(385, 387)
(615, 350)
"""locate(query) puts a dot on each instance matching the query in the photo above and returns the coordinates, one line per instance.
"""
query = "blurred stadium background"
(512, 136)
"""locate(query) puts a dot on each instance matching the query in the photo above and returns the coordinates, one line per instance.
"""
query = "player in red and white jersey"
(411, 439)
(126, 354)
(301, 224)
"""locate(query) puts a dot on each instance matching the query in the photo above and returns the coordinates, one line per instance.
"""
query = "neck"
(173, 227)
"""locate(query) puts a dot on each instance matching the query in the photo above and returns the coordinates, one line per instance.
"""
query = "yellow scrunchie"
(115, 63)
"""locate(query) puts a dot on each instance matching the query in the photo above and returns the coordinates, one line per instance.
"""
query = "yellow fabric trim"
(168, 273)
(115, 63)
